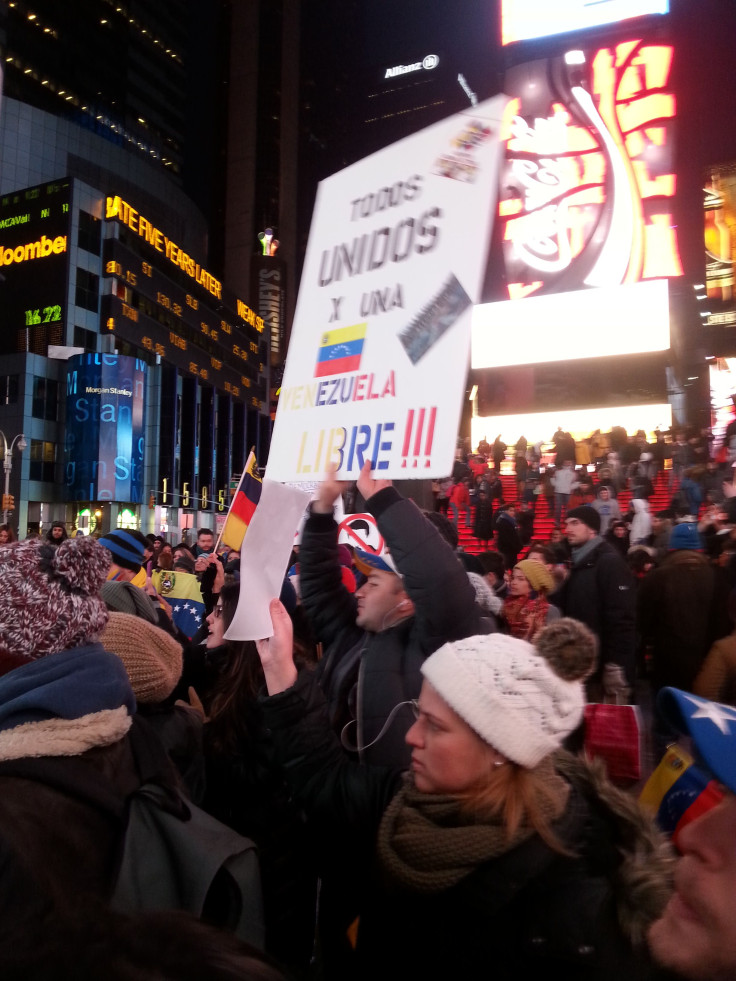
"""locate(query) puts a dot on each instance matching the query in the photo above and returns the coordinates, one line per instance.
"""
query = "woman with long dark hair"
(246, 791)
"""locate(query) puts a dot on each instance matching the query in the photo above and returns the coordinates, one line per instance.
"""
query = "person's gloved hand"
(615, 685)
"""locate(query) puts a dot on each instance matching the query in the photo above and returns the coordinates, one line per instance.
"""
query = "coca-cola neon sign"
(587, 187)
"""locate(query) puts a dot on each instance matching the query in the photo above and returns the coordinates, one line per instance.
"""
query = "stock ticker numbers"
(43, 315)
(34, 261)
(182, 329)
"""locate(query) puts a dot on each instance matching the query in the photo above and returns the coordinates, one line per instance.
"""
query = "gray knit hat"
(124, 597)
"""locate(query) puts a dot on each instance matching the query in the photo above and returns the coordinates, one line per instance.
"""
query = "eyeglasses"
(217, 612)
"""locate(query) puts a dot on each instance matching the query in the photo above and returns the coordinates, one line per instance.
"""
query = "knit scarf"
(581, 552)
(526, 615)
(427, 844)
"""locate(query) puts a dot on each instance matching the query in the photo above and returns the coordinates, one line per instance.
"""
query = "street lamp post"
(8, 463)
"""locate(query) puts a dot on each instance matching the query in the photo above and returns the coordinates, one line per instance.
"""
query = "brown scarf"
(427, 844)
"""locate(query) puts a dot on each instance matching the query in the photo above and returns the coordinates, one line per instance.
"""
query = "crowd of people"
(404, 751)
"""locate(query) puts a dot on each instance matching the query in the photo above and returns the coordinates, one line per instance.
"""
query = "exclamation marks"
(415, 432)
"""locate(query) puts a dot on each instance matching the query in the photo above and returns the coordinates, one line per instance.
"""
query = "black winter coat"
(600, 592)
(528, 914)
(681, 610)
(365, 675)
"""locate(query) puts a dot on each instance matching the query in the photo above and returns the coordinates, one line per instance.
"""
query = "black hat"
(588, 515)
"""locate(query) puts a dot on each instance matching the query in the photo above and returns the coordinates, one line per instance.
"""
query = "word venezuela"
(115, 207)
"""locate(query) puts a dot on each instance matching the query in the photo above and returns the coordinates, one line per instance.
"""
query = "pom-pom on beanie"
(152, 658)
(50, 598)
(520, 699)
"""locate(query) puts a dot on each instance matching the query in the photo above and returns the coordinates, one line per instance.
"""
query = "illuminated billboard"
(105, 424)
(34, 257)
(719, 202)
(162, 300)
(592, 323)
(585, 201)
(522, 20)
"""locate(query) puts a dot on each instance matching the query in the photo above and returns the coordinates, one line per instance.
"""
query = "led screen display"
(522, 20)
(585, 204)
(568, 326)
(34, 257)
(105, 419)
(719, 202)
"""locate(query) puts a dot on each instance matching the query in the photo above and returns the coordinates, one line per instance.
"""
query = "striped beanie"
(126, 550)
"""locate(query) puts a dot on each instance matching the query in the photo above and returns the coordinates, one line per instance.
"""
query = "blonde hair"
(515, 797)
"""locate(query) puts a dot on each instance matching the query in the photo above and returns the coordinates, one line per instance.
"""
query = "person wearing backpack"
(66, 708)
(83, 781)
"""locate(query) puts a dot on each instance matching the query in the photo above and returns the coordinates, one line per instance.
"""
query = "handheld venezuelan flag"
(182, 591)
(243, 506)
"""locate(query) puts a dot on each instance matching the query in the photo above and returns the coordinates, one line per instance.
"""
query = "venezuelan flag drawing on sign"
(244, 505)
(340, 350)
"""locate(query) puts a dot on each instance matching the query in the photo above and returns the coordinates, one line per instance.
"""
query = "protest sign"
(378, 355)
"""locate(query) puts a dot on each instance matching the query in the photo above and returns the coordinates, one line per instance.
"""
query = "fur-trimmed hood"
(643, 880)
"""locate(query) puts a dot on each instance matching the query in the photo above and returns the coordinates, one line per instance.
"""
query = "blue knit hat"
(686, 535)
(127, 551)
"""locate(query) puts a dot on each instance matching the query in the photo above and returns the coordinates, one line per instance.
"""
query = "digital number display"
(34, 262)
(45, 315)
(149, 310)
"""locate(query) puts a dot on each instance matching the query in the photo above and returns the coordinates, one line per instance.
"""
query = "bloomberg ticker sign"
(429, 62)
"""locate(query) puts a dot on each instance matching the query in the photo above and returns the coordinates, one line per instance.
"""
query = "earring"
(499, 762)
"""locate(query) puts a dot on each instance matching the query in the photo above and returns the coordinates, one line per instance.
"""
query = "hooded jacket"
(609, 510)
(641, 524)
(66, 713)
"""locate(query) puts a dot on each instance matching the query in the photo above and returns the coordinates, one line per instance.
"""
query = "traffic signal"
(8, 502)
(152, 501)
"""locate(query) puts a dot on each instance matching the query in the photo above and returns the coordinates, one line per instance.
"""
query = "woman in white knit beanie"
(498, 855)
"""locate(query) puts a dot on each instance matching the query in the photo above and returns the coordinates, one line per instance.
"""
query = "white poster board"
(379, 349)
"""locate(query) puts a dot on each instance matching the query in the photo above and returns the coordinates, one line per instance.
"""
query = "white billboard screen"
(522, 20)
(591, 323)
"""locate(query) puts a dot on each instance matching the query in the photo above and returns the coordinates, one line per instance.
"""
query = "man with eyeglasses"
(416, 596)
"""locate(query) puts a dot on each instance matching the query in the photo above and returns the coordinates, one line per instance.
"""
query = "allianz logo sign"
(431, 61)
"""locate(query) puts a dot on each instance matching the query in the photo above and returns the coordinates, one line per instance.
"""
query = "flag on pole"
(243, 506)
